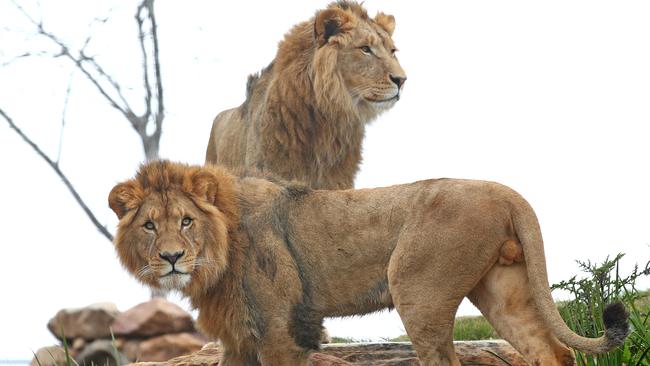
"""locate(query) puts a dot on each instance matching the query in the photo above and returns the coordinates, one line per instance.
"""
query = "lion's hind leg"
(429, 323)
(426, 301)
(504, 298)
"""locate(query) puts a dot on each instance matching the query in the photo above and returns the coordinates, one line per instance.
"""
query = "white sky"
(551, 98)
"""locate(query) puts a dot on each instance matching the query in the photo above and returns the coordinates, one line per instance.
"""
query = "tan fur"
(304, 115)
(267, 261)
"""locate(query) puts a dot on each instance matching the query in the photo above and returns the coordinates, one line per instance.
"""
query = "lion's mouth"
(393, 98)
(172, 272)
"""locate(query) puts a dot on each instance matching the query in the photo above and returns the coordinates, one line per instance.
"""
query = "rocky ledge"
(495, 353)
(160, 333)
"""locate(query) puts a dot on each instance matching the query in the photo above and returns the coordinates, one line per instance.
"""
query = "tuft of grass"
(350, 340)
(466, 328)
(68, 359)
(116, 353)
(473, 328)
(603, 285)
(402, 338)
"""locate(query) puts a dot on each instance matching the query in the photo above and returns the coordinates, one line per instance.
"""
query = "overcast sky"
(551, 98)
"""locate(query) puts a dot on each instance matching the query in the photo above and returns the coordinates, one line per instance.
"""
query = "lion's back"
(227, 144)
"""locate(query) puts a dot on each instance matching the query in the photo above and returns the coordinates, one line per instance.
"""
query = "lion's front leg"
(231, 357)
(280, 348)
(285, 355)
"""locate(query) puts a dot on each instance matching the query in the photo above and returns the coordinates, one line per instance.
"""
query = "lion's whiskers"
(143, 272)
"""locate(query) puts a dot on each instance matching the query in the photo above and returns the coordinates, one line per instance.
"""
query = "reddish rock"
(402, 354)
(49, 356)
(208, 356)
(481, 352)
(378, 354)
(129, 348)
(152, 318)
(321, 359)
(165, 347)
(91, 322)
(101, 352)
(78, 344)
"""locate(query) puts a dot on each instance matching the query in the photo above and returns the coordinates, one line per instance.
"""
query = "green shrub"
(589, 296)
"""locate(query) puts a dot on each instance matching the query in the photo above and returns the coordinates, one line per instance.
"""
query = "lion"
(304, 115)
(265, 261)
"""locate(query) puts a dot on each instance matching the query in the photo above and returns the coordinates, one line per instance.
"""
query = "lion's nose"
(171, 257)
(398, 80)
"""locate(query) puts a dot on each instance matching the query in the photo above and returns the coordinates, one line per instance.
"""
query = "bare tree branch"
(97, 75)
(152, 141)
(145, 60)
(111, 91)
(102, 229)
(80, 62)
(63, 115)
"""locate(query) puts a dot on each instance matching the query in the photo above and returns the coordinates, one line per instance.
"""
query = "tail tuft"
(617, 327)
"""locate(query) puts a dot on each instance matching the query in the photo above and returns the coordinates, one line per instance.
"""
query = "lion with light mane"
(264, 262)
(304, 116)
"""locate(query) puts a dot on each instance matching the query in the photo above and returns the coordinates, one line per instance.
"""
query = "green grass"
(466, 328)
(402, 338)
(69, 361)
(344, 340)
(473, 328)
(603, 284)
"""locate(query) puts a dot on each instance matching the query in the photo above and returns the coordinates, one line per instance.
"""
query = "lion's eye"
(186, 221)
(392, 52)
(366, 49)
(149, 225)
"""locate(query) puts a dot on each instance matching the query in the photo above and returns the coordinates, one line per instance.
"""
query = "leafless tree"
(148, 124)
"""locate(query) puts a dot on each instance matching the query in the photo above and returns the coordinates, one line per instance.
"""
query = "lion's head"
(174, 224)
(353, 63)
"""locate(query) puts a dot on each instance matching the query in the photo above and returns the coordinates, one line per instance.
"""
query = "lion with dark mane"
(264, 262)
(304, 116)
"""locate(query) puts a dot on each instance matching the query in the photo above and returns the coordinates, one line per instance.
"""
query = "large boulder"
(152, 318)
(101, 352)
(49, 356)
(378, 354)
(91, 322)
(321, 359)
(168, 346)
(209, 355)
(402, 353)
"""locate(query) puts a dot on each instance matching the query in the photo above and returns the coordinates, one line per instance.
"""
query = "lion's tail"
(615, 316)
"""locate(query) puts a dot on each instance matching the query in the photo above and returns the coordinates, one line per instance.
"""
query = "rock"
(478, 352)
(208, 356)
(101, 352)
(402, 354)
(165, 347)
(320, 359)
(152, 318)
(370, 352)
(49, 356)
(78, 344)
(91, 322)
(129, 348)
(374, 354)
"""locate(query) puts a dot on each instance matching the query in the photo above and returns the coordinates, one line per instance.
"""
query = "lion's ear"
(331, 22)
(205, 186)
(124, 197)
(387, 22)
(217, 188)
